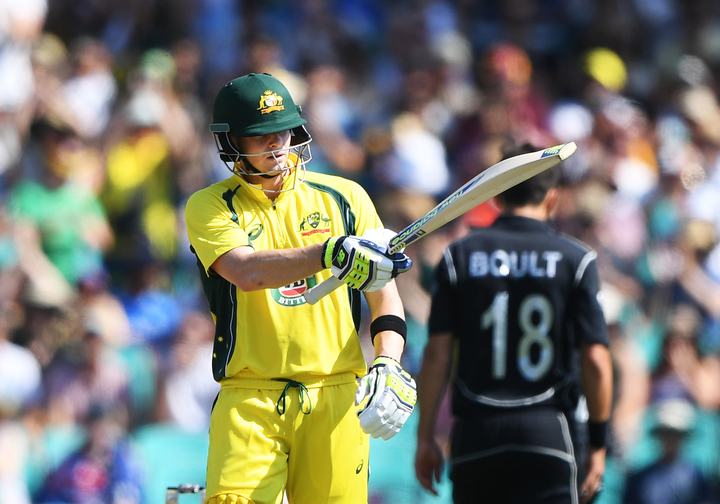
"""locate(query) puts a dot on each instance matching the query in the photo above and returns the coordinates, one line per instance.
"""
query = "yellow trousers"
(269, 436)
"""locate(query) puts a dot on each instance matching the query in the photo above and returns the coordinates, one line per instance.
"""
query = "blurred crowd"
(105, 336)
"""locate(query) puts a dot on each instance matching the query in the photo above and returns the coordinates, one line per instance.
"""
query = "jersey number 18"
(533, 332)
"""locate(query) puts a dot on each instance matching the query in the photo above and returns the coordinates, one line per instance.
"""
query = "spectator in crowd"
(153, 313)
(672, 479)
(139, 193)
(106, 468)
(85, 375)
(682, 372)
(90, 91)
(69, 219)
(21, 24)
(188, 390)
(20, 373)
(332, 105)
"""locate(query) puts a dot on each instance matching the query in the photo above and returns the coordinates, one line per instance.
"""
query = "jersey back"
(519, 298)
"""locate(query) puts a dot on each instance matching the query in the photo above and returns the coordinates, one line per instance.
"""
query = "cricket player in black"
(517, 327)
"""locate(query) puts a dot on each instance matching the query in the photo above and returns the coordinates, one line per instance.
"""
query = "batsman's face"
(267, 152)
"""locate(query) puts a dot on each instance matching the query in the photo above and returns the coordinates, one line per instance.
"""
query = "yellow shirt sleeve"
(210, 227)
(367, 217)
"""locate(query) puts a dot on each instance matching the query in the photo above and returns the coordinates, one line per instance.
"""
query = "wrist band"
(388, 323)
(597, 434)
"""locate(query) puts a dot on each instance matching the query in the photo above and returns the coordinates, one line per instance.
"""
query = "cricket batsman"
(297, 401)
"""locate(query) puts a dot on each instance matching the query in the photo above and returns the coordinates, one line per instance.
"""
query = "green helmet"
(254, 105)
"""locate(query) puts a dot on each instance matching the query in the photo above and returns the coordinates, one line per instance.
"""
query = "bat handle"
(314, 294)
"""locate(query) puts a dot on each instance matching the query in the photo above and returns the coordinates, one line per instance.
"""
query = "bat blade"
(491, 182)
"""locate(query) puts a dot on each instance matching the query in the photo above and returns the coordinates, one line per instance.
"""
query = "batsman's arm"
(324, 288)
(253, 270)
(387, 393)
(386, 301)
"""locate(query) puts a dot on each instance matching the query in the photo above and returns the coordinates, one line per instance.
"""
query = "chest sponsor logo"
(502, 263)
(292, 295)
(314, 223)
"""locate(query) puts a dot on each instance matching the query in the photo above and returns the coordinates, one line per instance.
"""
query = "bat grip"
(314, 294)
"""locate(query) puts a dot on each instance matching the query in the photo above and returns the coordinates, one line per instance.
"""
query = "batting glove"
(391, 393)
(381, 237)
(361, 263)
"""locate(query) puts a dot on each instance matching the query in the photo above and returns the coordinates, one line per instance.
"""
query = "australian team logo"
(292, 295)
(270, 102)
(314, 223)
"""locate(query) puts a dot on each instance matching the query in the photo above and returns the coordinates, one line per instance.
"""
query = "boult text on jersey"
(500, 263)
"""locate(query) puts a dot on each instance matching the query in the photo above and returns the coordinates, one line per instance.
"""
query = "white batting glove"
(361, 263)
(391, 393)
(381, 237)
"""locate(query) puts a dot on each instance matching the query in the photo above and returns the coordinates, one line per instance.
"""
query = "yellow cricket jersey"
(274, 333)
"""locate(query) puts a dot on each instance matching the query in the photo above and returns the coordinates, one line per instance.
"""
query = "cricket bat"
(491, 182)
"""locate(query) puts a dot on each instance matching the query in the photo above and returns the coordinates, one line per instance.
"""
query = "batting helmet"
(254, 105)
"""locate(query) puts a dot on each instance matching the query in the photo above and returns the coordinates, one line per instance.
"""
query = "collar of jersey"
(516, 222)
(258, 194)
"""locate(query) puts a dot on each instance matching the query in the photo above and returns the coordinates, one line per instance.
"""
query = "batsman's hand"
(361, 263)
(391, 394)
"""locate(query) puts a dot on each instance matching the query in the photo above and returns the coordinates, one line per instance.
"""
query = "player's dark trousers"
(514, 457)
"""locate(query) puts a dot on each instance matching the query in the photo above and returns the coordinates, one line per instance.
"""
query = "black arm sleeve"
(589, 320)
